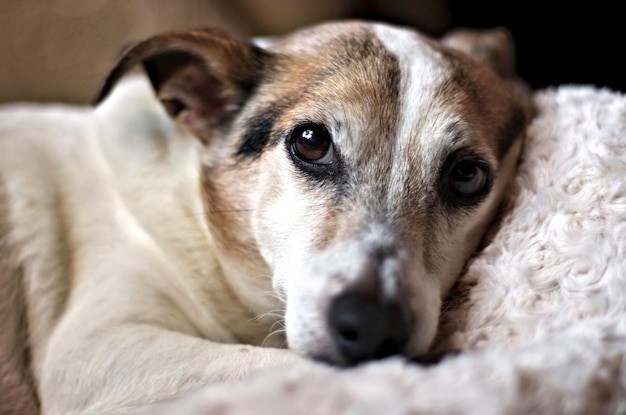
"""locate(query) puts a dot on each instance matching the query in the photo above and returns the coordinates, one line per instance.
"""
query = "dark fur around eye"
(465, 180)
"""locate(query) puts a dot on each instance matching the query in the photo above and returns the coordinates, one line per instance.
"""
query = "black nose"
(367, 329)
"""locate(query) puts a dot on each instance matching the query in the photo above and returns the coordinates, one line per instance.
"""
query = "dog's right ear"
(201, 77)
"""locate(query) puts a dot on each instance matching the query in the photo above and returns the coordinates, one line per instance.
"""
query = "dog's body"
(348, 170)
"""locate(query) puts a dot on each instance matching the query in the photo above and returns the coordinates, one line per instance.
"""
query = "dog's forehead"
(351, 57)
(358, 76)
(374, 84)
(327, 41)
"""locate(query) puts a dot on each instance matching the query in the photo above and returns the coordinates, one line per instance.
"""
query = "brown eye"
(467, 178)
(311, 143)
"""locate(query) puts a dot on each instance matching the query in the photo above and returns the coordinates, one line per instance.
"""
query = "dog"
(311, 196)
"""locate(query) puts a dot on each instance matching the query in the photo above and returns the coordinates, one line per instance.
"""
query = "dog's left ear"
(494, 47)
(201, 77)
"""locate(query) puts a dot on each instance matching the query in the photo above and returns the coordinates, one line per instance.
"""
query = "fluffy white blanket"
(540, 314)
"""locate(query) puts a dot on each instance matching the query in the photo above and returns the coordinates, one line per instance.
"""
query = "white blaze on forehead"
(422, 69)
(422, 117)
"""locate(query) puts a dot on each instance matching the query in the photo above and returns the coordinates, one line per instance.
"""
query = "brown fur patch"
(229, 218)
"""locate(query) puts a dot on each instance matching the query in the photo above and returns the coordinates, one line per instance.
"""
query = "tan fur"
(142, 259)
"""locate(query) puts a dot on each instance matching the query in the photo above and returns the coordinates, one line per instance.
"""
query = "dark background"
(557, 42)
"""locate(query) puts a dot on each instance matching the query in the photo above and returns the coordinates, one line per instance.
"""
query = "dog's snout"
(366, 329)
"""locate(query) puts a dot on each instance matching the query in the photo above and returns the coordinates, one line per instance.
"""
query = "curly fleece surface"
(540, 314)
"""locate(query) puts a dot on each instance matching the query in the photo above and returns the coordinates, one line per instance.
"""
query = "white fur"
(168, 251)
(544, 327)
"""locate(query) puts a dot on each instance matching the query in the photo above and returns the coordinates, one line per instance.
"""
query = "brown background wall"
(58, 50)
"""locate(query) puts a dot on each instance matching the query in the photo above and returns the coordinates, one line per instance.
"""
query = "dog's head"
(357, 163)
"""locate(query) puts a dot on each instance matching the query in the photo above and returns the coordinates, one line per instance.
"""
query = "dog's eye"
(312, 143)
(467, 178)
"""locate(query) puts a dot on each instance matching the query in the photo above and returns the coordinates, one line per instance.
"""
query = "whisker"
(277, 327)
(275, 314)
(277, 296)
(273, 332)
(271, 293)
(280, 324)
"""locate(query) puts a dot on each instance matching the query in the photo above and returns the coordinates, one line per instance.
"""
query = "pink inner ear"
(193, 96)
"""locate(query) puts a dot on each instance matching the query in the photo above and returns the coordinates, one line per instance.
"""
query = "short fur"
(145, 259)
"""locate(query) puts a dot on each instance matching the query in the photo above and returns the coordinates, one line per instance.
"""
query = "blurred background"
(59, 50)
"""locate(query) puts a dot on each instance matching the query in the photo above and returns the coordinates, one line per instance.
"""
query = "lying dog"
(323, 191)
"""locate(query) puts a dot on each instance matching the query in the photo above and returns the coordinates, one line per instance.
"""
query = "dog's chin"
(335, 359)
(327, 354)
(303, 340)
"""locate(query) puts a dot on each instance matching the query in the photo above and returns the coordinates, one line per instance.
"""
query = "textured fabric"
(540, 314)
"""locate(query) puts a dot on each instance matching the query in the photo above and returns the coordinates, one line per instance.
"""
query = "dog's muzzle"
(365, 328)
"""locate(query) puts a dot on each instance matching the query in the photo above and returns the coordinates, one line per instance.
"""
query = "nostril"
(365, 329)
(348, 334)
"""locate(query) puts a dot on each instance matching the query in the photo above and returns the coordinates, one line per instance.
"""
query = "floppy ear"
(201, 77)
(494, 47)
